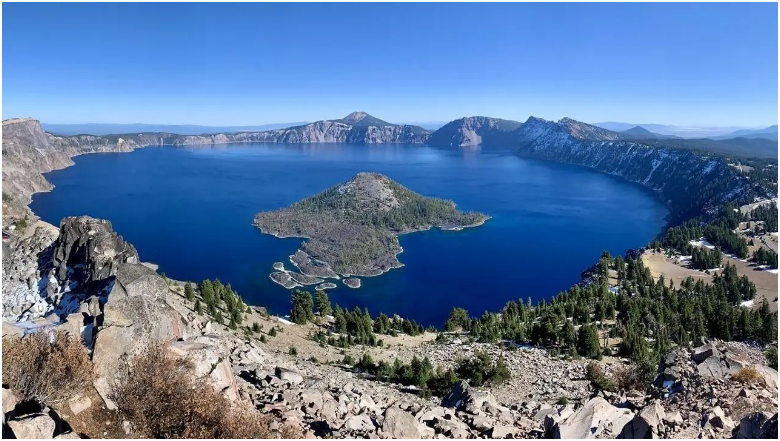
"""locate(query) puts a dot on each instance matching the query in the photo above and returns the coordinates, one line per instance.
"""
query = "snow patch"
(284, 321)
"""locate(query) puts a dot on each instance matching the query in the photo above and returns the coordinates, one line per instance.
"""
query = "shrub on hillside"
(480, 370)
(747, 375)
(636, 376)
(159, 396)
(598, 379)
(771, 356)
(45, 368)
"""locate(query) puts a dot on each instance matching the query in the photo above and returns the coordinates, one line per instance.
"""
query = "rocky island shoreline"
(352, 229)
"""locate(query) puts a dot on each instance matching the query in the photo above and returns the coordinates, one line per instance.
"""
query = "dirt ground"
(659, 265)
(766, 282)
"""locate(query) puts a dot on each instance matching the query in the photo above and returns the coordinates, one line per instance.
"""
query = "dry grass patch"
(747, 375)
(159, 396)
(45, 368)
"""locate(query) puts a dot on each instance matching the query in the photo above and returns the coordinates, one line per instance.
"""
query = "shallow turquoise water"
(190, 211)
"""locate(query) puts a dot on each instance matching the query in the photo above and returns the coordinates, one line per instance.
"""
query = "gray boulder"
(463, 397)
(705, 351)
(713, 367)
(399, 424)
(360, 423)
(768, 376)
(769, 429)
(34, 426)
(597, 418)
(451, 427)
(648, 424)
(288, 375)
(457, 396)
(9, 400)
(751, 425)
(209, 361)
(717, 418)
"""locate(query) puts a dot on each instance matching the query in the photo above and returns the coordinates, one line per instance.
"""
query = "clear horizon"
(686, 65)
(392, 122)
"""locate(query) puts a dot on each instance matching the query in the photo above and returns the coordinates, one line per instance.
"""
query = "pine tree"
(322, 302)
(588, 342)
(207, 292)
(302, 307)
(189, 293)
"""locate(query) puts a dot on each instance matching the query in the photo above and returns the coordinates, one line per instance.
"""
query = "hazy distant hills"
(428, 125)
(192, 129)
(679, 131)
(640, 132)
(767, 133)
(110, 129)
(362, 128)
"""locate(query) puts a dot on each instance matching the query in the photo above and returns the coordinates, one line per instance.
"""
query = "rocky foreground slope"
(98, 291)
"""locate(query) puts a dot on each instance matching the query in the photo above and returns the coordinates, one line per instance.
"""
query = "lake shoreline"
(232, 251)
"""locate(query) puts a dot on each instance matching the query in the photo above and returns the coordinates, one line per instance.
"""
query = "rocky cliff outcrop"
(328, 131)
(28, 152)
(474, 131)
(689, 182)
(25, 265)
(88, 250)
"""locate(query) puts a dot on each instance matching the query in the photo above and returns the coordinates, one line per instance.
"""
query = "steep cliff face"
(474, 131)
(347, 130)
(28, 152)
(688, 181)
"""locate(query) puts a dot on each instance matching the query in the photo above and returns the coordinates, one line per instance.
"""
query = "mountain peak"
(637, 130)
(363, 119)
(581, 130)
(355, 117)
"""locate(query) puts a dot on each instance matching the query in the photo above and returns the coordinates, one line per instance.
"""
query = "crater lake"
(190, 211)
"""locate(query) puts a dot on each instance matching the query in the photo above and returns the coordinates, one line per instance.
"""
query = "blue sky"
(236, 64)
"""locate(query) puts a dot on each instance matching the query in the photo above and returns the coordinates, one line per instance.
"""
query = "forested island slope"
(353, 227)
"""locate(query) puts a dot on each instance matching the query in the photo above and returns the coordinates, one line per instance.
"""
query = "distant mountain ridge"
(179, 129)
(688, 132)
(640, 132)
(767, 133)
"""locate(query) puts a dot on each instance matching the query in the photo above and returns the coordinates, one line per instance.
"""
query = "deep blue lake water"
(190, 210)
